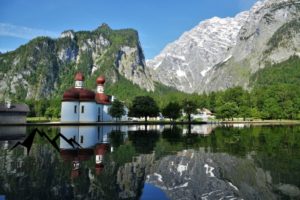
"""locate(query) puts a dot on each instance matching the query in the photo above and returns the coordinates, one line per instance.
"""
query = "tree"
(117, 109)
(49, 112)
(228, 110)
(271, 109)
(189, 108)
(143, 106)
(172, 110)
(244, 111)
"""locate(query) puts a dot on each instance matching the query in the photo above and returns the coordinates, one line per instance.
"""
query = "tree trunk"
(146, 119)
(189, 118)
(189, 129)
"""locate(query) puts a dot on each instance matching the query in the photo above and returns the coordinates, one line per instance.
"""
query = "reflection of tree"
(116, 138)
(144, 141)
(173, 134)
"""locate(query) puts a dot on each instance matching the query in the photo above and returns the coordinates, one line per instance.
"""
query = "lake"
(153, 162)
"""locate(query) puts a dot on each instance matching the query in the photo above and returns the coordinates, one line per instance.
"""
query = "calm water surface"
(153, 162)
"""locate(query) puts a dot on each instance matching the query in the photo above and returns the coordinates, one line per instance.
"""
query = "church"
(80, 105)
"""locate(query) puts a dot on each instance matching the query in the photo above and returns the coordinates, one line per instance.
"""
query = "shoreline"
(258, 122)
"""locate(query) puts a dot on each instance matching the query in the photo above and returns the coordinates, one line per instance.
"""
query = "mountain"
(223, 53)
(45, 67)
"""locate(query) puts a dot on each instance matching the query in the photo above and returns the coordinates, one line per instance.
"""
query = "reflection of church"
(93, 141)
(83, 105)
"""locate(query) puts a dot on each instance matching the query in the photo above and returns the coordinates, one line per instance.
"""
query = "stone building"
(13, 113)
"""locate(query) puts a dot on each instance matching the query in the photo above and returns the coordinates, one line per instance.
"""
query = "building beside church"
(82, 105)
(13, 113)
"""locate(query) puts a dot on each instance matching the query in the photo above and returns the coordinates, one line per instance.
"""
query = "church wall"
(106, 115)
(88, 112)
(70, 111)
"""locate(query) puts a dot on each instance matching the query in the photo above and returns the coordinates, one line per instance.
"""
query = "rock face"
(222, 53)
(46, 66)
(199, 175)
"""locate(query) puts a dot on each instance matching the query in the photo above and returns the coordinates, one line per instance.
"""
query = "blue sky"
(157, 21)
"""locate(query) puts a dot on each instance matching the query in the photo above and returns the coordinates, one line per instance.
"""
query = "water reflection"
(126, 162)
(93, 142)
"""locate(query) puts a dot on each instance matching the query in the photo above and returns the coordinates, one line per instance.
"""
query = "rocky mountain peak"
(46, 66)
(68, 34)
(223, 52)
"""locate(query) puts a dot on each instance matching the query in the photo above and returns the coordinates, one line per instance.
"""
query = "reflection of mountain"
(199, 175)
(132, 175)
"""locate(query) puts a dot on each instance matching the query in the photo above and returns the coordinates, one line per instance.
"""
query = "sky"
(158, 22)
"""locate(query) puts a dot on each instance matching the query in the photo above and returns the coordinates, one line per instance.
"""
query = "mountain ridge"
(45, 66)
(230, 50)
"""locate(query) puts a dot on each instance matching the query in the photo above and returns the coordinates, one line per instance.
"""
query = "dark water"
(154, 162)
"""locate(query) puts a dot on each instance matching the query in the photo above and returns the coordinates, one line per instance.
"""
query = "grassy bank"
(41, 119)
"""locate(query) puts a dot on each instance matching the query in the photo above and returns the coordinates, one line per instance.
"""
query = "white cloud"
(23, 32)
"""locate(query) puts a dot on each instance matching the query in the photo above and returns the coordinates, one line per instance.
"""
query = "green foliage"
(143, 106)
(117, 109)
(276, 90)
(172, 111)
(228, 110)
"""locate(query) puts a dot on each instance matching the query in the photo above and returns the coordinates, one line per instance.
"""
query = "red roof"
(78, 94)
(76, 154)
(100, 80)
(79, 76)
(102, 98)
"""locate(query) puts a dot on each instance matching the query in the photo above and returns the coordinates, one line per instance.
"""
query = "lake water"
(153, 162)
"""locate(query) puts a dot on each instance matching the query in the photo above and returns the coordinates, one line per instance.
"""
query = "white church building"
(83, 105)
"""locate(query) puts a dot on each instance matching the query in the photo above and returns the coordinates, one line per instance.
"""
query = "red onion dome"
(102, 98)
(100, 80)
(86, 95)
(79, 76)
(71, 95)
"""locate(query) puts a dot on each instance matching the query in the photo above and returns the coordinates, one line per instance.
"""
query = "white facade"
(88, 112)
(84, 112)
(69, 111)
